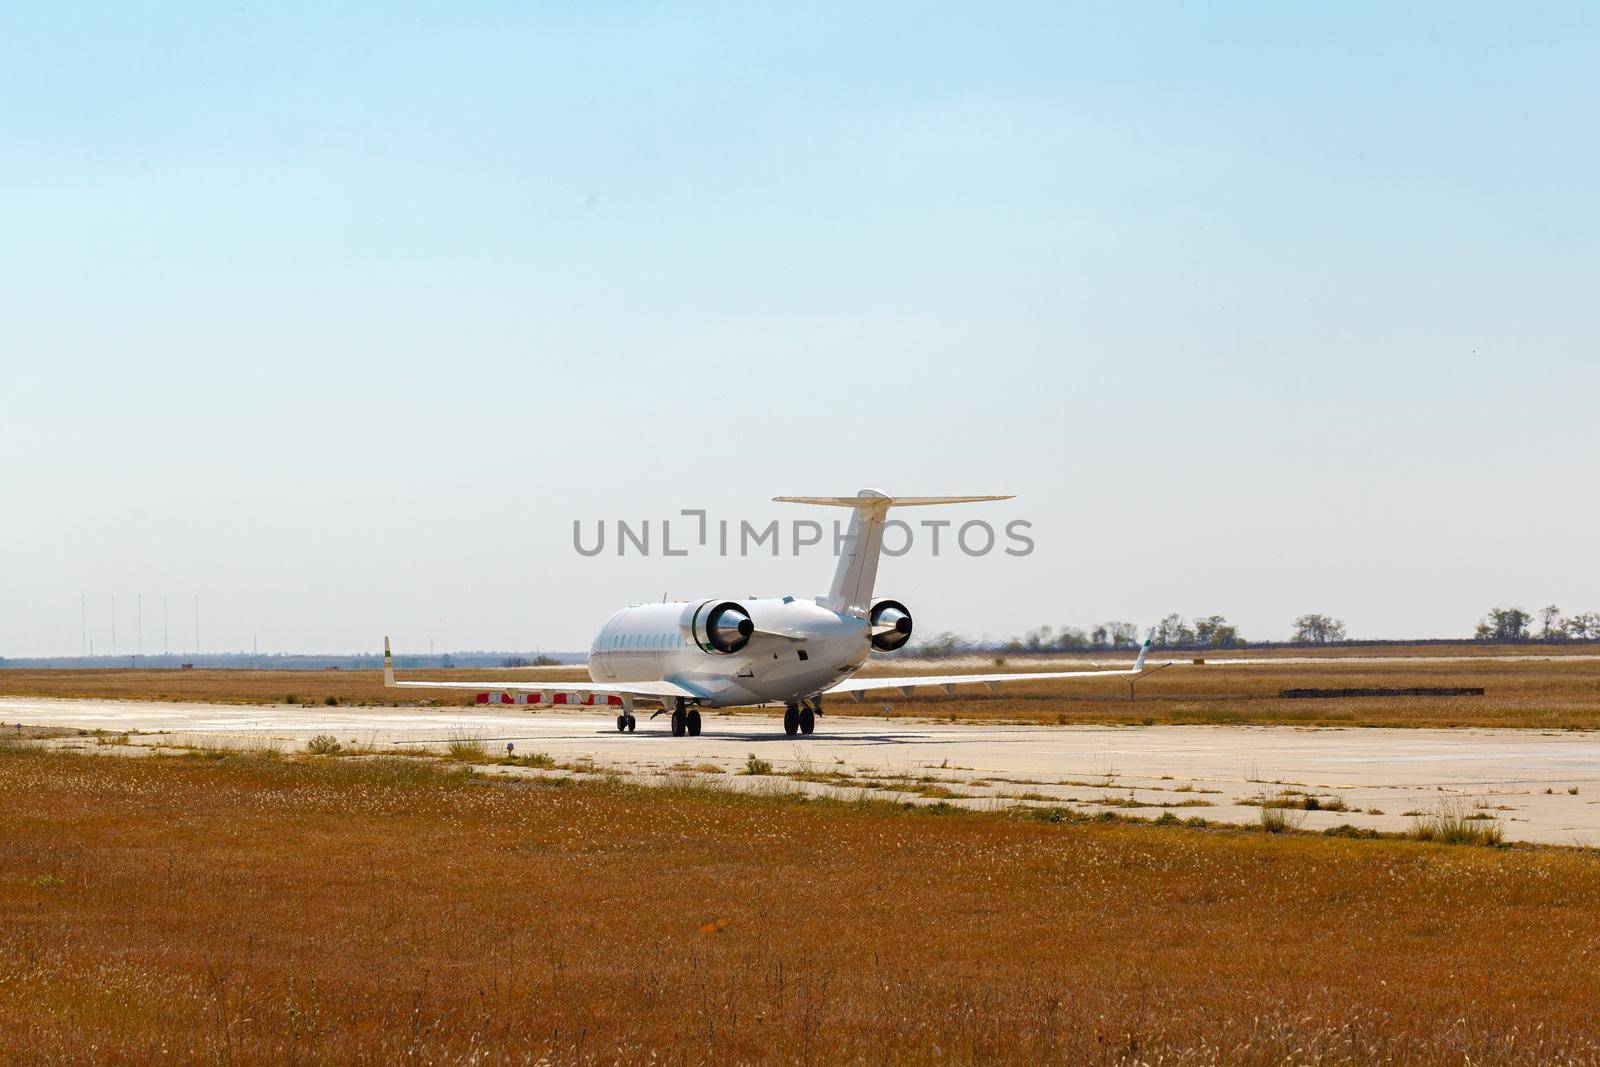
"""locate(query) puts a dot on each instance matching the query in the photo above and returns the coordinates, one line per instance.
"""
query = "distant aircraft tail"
(853, 578)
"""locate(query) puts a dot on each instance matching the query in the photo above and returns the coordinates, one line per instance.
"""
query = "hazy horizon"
(341, 317)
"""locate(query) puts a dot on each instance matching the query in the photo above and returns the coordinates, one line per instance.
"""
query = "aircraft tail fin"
(388, 663)
(857, 570)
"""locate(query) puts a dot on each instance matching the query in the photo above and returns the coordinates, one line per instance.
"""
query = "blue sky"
(340, 314)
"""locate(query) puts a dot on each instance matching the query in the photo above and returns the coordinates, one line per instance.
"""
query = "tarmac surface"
(1542, 786)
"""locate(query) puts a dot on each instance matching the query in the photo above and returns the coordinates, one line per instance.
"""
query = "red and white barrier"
(586, 699)
(572, 699)
(502, 698)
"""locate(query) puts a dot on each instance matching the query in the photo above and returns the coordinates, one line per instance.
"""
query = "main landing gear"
(801, 718)
(685, 720)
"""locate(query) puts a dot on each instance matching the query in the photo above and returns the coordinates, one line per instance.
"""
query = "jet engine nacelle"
(890, 625)
(718, 626)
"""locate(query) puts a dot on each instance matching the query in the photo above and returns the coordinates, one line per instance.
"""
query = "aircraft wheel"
(694, 723)
(808, 720)
(791, 720)
(632, 722)
(622, 724)
(680, 723)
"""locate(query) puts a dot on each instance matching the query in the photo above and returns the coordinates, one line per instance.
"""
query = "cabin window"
(802, 654)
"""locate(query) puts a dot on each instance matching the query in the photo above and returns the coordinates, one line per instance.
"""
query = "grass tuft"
(1452, 823)
(465, 749)
(1282, 812)
(539, 760)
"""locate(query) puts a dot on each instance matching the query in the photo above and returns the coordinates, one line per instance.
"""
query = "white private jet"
(689, 654)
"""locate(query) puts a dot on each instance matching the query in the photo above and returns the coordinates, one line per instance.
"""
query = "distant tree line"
(1315, 629)
(1214, 631)
(1548, 624)
(1211, 631)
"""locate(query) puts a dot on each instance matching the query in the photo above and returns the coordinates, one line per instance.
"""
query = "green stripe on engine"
(694, 629)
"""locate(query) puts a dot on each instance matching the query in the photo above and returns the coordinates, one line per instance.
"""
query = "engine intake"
(722, 627)
(890, 625)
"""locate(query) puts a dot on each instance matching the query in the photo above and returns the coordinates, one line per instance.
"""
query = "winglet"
(1144, 650)
(388, 663)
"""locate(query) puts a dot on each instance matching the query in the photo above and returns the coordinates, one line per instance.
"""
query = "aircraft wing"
(660, 690)
(500, 685)
(852, 687)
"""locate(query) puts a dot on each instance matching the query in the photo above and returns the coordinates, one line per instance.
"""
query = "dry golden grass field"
(246, 909)
(1561, 691)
